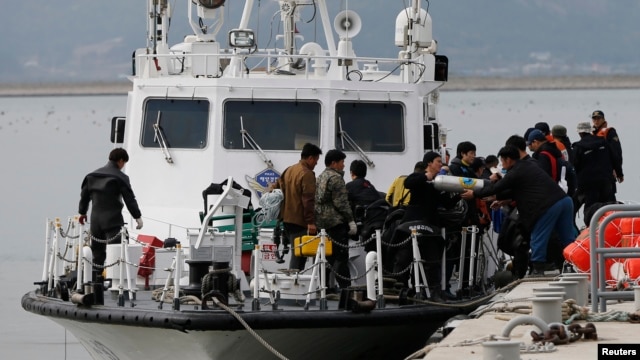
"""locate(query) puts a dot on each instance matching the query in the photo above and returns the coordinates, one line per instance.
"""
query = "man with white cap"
(594, 163)
(602, 129)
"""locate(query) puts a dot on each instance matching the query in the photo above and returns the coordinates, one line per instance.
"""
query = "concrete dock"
(465, 341)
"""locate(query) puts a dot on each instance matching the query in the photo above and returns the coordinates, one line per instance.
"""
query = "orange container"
(632, 268)
(630, 226)
(577, 253)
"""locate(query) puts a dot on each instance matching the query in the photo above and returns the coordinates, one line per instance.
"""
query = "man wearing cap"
(543, 207)
(538, 143)
(602, 129)
(559, 134)
(594, 164)
(564, 150)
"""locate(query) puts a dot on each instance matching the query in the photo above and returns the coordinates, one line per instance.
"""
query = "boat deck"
(465, 341)
(232, 332)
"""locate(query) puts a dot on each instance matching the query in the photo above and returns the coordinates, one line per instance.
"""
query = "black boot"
(538, 268)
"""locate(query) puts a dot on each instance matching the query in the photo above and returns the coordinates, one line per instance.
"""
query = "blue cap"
(535, 135)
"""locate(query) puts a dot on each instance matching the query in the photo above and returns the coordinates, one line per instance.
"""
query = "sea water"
(48, 144)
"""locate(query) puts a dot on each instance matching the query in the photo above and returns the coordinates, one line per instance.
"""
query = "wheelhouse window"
(373, 126)
(273, 125)
(180, 123)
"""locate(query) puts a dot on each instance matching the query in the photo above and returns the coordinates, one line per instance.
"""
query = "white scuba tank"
(457, 183)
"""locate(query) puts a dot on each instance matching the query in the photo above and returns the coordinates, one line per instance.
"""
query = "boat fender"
(361, 307)
(82, 299)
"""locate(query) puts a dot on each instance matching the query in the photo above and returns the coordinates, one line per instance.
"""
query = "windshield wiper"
(160, 139)
(254, 145)
(352, 143)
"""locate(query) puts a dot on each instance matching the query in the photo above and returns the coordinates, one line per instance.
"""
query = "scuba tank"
(457, 184)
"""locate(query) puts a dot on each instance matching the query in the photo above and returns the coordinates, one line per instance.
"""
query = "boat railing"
(242, 65)
(599, 253)
(173, 230)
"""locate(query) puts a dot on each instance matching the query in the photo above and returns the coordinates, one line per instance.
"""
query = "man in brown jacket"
(298, 185)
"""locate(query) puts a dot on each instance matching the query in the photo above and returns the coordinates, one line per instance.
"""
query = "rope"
(269, 207)
(249, 329)
(614, 315)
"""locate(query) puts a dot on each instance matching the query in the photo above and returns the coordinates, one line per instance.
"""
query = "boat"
(211, 121)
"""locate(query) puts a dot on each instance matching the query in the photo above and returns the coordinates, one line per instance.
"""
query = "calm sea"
(49, 143)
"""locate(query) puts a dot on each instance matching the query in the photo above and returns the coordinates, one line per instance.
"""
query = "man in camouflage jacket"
(333, 214)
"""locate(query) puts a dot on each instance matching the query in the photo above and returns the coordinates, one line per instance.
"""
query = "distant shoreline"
(474, 83)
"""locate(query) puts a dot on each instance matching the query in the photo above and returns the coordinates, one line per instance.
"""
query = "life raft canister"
(148, 258)
(620, 232)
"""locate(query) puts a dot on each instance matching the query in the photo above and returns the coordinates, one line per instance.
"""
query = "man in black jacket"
(542, 205)
(360, 190)
(543, 150)
(594, 162)
(422, 212)
(106, 188)
(602, 129)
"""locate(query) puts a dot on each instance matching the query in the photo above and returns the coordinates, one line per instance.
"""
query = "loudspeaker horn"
(347, 24)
